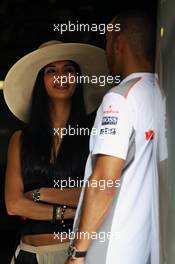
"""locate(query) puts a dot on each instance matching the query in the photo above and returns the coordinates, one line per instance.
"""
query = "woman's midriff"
(44, 239)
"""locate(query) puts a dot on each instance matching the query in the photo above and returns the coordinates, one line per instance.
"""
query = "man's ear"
(120, 43)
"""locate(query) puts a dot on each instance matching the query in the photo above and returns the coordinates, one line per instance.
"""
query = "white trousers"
(51, 254)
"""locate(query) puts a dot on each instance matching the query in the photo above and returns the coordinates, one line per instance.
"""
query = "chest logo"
(149, 135)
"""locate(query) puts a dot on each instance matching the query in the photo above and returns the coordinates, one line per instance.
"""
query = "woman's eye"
(69, 70)
(50, 71)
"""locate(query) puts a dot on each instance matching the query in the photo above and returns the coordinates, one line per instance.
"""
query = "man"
(130, 142)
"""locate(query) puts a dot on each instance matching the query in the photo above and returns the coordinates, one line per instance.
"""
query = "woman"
(40, 159)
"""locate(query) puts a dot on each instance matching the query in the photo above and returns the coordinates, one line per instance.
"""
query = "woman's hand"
(69, 213)
(68, 196)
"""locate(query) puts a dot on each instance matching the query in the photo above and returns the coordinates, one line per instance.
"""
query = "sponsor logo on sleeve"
(109, 120)
(107, 131)
(110, 110)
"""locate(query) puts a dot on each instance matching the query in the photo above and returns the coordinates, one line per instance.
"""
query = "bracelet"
(36, 195)
(58, 209)
(63, 209)
(56, 214)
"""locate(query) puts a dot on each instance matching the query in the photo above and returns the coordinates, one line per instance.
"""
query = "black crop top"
(30, 226)
(38, 180)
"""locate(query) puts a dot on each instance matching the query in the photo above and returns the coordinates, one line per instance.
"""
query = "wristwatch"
(73, 253)
(36, 195)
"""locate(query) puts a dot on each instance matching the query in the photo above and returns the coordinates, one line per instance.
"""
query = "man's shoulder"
(123, 89)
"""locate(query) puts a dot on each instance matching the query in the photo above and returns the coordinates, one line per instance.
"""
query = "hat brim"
(20, 79)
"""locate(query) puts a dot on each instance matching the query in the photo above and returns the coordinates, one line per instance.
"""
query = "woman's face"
(59, 79)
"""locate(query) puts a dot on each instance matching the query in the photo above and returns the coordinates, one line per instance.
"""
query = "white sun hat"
(20, 79)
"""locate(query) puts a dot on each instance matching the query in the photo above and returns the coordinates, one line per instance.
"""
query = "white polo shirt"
(130, 125)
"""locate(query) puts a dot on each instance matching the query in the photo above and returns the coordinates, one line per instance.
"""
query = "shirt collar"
(138, 75)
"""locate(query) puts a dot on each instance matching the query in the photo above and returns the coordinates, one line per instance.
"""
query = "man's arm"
(110, 146)
(97, 202)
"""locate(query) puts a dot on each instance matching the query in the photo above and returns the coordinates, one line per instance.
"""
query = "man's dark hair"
(140, 29)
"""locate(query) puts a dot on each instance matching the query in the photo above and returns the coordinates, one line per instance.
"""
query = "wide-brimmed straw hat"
(20, 79)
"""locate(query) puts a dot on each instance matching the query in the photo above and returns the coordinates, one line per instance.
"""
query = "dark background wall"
(24, 25)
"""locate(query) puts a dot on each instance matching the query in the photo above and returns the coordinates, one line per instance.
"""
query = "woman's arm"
(16, 202)
(66, 196)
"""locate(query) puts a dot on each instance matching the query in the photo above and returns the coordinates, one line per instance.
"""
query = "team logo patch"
(109, 120)
(110, 110)
(107, 131)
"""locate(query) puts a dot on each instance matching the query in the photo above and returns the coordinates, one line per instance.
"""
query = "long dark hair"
(37, 139)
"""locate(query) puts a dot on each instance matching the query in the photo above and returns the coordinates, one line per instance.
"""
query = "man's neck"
(133, 67)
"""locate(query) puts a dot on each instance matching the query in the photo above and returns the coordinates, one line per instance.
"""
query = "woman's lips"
(61, 87)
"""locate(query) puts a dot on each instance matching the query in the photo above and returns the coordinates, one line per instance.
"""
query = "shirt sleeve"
(114, 127)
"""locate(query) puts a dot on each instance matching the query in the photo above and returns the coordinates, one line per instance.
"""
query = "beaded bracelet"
(58, 209)
(56, 214)
(63, 209)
